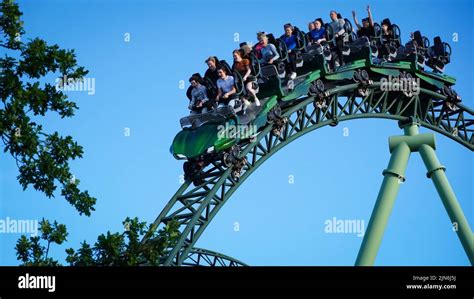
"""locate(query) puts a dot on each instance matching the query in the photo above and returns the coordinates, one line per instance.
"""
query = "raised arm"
(355, 19)
(369, 12)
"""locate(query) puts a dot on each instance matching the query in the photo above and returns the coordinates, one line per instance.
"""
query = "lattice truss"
(195, 206)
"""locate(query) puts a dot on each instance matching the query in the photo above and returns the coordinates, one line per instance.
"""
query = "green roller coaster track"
(194, 207)
(204, 257)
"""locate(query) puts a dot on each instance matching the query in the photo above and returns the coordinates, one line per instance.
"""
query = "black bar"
(290, 282)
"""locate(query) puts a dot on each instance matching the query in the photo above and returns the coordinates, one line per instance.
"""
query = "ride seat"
(268, 71)
(314, 50)
(359, 44)
(439, 55)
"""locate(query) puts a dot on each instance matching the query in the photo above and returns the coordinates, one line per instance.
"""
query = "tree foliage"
(31, 252)
(25, 96)
(110, 249)
(43, 158)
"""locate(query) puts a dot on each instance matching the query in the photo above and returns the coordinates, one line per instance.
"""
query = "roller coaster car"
(350, 34)
(357, 55)
(300, 45)
(435, 57)
(313, 56)
(375, 40)
(358, 49)
(280, 63)
(238, 84)
(419, 54)
(308, 56)
(270, 75)
(354, 49)
(254, 64)
(254, 71)
(270, 82)
(414, 51)
(395, 39)
(386, 46)
(210, 136)
(315, 65)
(211, 87)
(438, 55)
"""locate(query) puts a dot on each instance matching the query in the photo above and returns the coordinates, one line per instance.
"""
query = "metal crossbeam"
(199, 257)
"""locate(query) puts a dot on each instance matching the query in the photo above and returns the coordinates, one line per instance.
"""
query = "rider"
(309, 38)
(246, 50)
(226, 88)
(211, 72)
(242, 65)
(268, 51)
(258, 47)
(387, 34)
(337, 25)
(199, 100)
(318, 34)
(367, 29)
(291, 42)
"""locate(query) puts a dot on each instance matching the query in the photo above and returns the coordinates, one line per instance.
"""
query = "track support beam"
(437, 174)
(394, 175)
(401, 148)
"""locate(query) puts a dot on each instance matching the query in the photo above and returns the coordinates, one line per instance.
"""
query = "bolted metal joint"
(395, 174)
(430, 173)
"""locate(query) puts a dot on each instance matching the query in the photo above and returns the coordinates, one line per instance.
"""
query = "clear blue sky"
(280, 223)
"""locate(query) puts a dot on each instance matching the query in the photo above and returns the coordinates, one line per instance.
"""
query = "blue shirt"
(268, 53)
(198, 93)
(318, 34)
(226, 85)
(290, 41)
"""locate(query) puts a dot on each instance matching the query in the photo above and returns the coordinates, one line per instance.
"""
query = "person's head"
(318, 23)
(263, 39)
(365, 22)
(246, 50)
(386, 24)
(211, 63)
(194, 80)
(311, 26)
(333, 15)
(288, 29)
(418, 38)
(237, 54)
(221, 72)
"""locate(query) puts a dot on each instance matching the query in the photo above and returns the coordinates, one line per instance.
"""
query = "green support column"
(393, 176)
(401, 147)
(450, 202)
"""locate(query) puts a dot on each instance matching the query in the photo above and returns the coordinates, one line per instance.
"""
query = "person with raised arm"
(367, 29)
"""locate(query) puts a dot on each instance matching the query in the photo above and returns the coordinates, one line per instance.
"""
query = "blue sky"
(137, 87)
